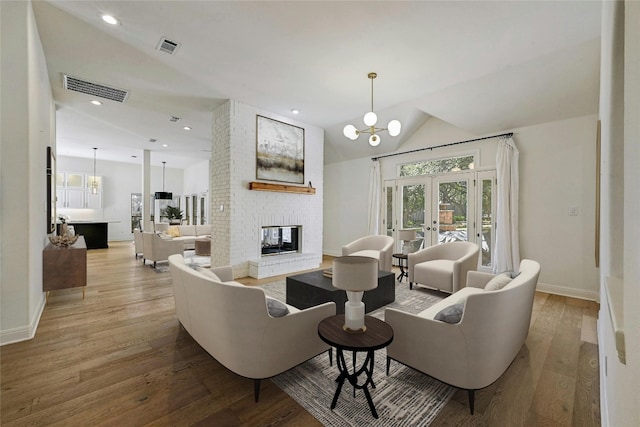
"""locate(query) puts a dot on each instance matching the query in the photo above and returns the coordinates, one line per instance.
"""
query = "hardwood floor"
(119, 357)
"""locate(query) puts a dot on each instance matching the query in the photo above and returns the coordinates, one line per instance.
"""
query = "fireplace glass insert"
(277, 240)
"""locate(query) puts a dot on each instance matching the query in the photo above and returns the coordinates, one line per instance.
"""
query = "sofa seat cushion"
(436, 272)
(368, 253)
(460, 296)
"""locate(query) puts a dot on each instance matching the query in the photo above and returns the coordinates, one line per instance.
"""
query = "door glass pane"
(413, 199)
(389, 218)
(136, 211)
(487, 222)
(437, 166)
(452, 211)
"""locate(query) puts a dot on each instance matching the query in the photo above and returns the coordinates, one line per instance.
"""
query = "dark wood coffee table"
(311, 289)
(378, 335)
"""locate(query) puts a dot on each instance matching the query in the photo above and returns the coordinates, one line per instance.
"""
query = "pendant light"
(94, 183)
(163, 195)
(370, 120)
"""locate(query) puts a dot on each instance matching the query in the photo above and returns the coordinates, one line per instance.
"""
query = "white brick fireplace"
(238, 214)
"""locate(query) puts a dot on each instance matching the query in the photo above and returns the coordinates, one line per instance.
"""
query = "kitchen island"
(95, 232)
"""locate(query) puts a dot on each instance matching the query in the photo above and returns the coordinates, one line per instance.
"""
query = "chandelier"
(370, 119)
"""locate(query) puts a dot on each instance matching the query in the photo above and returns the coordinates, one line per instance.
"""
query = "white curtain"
(506, 255)
(375, 187)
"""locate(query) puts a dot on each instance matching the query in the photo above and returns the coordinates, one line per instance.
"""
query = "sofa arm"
(436, 348)
(478, 279)
(225, 273)
(292, 339)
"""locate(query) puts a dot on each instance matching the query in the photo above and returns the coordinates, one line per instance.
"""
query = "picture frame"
(51, 190)
(279, 151)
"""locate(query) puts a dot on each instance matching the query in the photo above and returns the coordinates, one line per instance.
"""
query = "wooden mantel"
(265, 186)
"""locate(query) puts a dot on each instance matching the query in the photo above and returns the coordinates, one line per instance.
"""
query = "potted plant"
(173, 214)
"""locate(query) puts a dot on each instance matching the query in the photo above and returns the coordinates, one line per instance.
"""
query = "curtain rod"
(509, 134)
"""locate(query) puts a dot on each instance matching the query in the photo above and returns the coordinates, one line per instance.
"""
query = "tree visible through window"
(437, 166)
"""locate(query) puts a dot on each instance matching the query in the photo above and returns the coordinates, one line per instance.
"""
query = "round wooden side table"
(378, 335)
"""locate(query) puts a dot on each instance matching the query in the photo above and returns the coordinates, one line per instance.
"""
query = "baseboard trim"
(568, 292)
(24, 333)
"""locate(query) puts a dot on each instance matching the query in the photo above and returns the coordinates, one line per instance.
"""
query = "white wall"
(196, 178)
(27, 128)
(234, 166)
(557, 171)
(119, 180)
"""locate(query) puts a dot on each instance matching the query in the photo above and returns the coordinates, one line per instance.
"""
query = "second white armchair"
(379, 247)
(443, 266)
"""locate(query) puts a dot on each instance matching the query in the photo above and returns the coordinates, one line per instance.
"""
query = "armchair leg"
(154, 264)
(471, 394)
(256, 389)
(410, 285)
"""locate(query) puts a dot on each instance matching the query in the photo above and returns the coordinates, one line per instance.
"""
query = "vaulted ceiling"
(482, 66)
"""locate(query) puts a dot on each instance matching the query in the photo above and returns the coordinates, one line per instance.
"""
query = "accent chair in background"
(443, 266)
(379, 247)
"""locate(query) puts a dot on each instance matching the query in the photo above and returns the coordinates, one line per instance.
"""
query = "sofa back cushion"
(203, 230)
(187, 230)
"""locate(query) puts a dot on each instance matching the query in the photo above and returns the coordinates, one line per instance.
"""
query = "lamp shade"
(163, 195)
(355, 273)
(374, 140)
(407, 235)
(350, 132)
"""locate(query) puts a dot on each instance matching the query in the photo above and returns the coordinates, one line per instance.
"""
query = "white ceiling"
(482, 66)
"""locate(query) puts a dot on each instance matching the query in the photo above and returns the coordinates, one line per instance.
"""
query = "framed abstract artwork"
(279, 151)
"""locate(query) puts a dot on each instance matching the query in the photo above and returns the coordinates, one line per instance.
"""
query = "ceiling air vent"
(168, 46)
(94, 89)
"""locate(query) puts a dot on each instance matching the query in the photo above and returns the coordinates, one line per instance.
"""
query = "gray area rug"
(404, 398)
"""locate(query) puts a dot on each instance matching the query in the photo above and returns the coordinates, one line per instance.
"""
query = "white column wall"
(246, 211)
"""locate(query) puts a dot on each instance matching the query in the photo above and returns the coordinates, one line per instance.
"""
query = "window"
(437, 166)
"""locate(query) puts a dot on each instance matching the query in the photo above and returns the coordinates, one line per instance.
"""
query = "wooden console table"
(64, 267)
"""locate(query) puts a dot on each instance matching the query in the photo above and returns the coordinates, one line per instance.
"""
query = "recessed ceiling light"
(164, 145)
(96, 102)
(295, 111)
(110, 19)
(187, 128)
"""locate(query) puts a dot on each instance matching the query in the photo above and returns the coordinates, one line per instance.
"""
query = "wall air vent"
(168, 46)
(94, 89)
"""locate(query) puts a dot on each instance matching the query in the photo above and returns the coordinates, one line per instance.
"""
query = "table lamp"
(406, 236)
(355, 274)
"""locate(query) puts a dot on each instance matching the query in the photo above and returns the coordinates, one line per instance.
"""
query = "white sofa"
(474, 352)
(379, 247)
(188, 234)
(232, 323)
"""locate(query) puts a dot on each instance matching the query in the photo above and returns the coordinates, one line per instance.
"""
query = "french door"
(443, 208)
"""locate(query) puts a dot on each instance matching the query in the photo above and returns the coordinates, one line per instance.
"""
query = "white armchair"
(443, 266)
(379, 247)
(137, 241)
(155, 248)
(474, 352)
